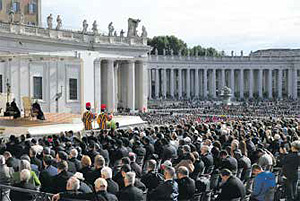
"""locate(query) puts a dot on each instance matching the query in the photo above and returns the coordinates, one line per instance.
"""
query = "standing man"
(102, 118)
(290, 165)
(264, 184)
(232, 187)
(87, 117)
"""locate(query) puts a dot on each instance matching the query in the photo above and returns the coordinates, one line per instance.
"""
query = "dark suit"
(167, 191)
(232, 189)
(112, 186)
(186, 188)
(45, 177)
(152, 180)
(59, 182)
(230, 163)
(131, 193)
(208, 161)
(77, 163)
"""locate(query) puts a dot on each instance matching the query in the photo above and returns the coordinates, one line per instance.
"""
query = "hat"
(277, 137)
(46, 150)
(166, 163)
(79, 176)
(88, 105)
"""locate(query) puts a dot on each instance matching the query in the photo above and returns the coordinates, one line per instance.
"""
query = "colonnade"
(120, 84)
(187, 83)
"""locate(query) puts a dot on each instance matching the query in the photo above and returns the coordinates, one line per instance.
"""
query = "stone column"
(196, 83)
(141, 85)
(222, 78)
(290, 83)
(242, 83)
(188, 83)
(260, 75)
(251, 83)
(111, 87)
(150, 83)
(205, 83)
(214, 83)
(179, 83)
(164, 83)
(97, 88)
(295, 83)
(131, 85)
(232, 81)
(279, 87)
(172, 83)
(157, 83)
(270, 83)
(116, 86)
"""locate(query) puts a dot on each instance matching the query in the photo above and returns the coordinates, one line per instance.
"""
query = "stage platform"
(55, 124)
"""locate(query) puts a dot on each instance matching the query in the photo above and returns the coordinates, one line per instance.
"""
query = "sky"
(226, 25)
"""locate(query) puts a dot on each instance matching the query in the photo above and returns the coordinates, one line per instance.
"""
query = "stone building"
(78, 66)
(30, 9)
(269, 74)
(64, 69)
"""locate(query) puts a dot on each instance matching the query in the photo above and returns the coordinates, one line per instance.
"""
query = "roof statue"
(22, 18)
(144, 32)
(132, 26)
(156, 51)
(171, 52)
(49, 21)
(164, 51)
(110, 29)
(59, 22)
(115, 34)
(95, 27)
(11, 16)
(84, 26)
(122, 33)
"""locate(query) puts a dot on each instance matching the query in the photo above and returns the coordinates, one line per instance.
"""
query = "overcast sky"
(223, 24)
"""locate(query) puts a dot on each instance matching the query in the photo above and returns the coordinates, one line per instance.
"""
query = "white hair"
(73, 183)
(130, 177)
(100, 183)
(24, 164)
(2, 160)
(74, 153)
(106, 172)
(25, 175)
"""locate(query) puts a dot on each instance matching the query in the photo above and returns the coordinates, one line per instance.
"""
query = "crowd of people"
(237, 159)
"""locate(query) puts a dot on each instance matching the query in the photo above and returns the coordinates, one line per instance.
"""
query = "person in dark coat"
(186, 185)
(130, 192)
(112, 186)
(207, 159)
(134, 166)
(228, 162)
(291, 163)
(59, 181)
(24, 178)
(15, 109)
(152, 179)
(47, 173)
(168, 190)
(63, 156)
(232, 188)
(244, 166)
(36, 108)
(73, 159)
(34, 159)
(96, 171)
